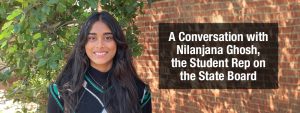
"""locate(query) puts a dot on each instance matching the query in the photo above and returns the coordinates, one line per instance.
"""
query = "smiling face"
(100, 47)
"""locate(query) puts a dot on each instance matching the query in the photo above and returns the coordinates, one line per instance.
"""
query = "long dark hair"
(123, 97)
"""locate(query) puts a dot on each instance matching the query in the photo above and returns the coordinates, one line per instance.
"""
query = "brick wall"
(284, 12)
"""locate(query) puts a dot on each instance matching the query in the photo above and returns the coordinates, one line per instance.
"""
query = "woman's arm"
(52, 106)
(148, 107)
(54, 103)
(146, 103)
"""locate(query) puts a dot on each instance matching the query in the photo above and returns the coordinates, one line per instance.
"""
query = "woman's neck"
(102, 68)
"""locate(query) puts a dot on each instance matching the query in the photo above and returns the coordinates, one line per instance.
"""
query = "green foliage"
(37, 35)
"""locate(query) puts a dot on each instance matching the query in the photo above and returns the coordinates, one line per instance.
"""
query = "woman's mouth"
(100, 54)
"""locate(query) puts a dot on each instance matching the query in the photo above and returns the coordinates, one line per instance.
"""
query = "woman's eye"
(91, 38)
(108, 38)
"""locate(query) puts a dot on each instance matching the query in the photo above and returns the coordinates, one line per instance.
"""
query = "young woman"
(99, 76)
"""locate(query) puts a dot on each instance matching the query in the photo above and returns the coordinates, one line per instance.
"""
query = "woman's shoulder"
(141, 86)
(143, 90)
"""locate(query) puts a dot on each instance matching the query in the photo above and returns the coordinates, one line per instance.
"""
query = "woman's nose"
(100, 43)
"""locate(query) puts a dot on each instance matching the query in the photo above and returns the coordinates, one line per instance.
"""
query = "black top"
(96, 85)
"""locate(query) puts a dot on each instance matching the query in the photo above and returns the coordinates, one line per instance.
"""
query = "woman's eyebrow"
(107, 33)
(92, 34)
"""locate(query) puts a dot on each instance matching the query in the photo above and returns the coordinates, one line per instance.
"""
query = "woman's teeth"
(100, 53)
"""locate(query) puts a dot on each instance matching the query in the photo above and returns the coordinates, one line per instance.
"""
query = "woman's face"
(100, 47)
